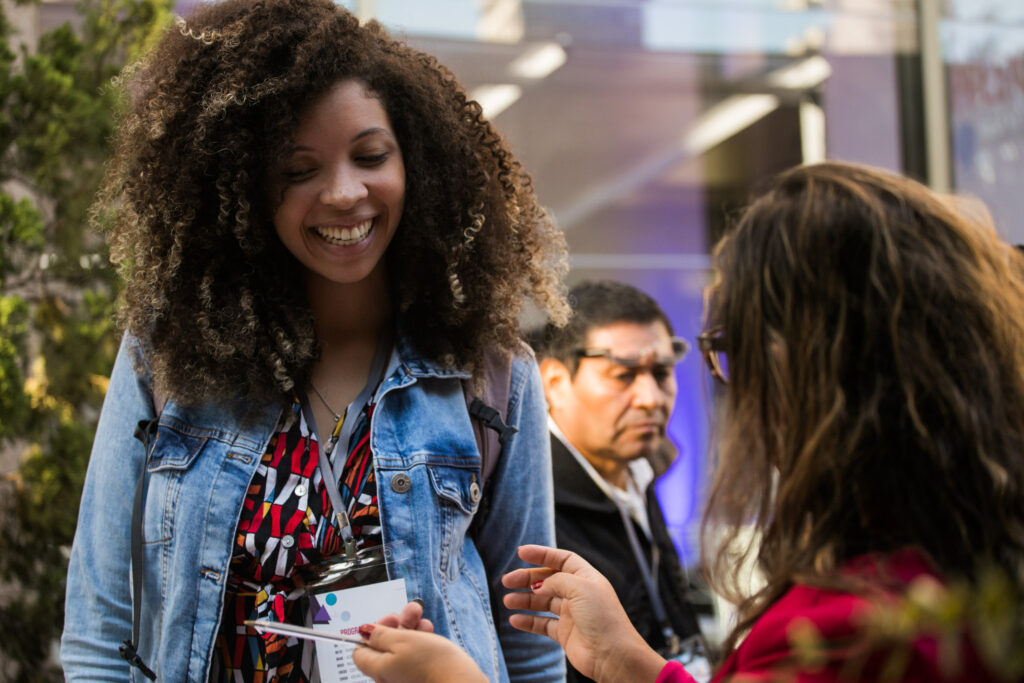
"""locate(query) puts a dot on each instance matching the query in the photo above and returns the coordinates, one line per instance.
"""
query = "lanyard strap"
(650, 579)
(342, 434)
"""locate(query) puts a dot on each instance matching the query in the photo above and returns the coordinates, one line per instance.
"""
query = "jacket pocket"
(458, 486)
(173, 454)
(458, 493)
(174, 449)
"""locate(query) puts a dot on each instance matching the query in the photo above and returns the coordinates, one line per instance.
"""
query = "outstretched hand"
(590, 623)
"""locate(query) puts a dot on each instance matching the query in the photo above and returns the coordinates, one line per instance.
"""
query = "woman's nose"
(344, 188)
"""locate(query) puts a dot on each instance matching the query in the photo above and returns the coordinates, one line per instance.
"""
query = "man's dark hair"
(595, 303)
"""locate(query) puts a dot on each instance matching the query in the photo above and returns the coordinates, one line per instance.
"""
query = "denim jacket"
(199, 469)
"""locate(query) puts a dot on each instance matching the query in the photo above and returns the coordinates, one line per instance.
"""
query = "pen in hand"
(303, 632)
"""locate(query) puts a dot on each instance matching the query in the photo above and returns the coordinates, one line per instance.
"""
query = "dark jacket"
(588, 523)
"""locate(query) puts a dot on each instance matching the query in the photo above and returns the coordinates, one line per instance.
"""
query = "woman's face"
(341, 188)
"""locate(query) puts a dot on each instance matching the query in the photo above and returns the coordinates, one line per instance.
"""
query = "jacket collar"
(419, 365)
(573, 486)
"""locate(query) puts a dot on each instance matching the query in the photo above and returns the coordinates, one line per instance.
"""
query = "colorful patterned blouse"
(287, 521)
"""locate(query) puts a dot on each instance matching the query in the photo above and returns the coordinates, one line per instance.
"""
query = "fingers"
(550, 561)
(525, 578)
(532, 602)
(390, 620)
(555, 558)
(369, 661)
(531, 623)
(380, 637)
(410, 615)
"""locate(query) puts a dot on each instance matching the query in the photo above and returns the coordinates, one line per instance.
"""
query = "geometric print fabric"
(287, 522)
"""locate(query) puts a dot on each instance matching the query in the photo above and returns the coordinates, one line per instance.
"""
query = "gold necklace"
(335, 413)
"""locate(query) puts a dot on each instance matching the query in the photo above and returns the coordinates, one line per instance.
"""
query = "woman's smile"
(336, 234)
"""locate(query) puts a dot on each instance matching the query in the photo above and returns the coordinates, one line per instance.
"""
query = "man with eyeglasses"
(610, 385)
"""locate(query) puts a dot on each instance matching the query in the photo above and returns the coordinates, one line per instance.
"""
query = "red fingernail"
(536, 584)
(366, 630)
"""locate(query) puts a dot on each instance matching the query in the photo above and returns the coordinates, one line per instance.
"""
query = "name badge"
(344, 611)
(693, 656)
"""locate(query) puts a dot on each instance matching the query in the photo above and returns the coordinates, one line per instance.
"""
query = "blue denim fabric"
(200, 468)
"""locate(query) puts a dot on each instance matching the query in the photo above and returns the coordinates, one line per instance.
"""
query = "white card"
(699, 668)
(344, 612)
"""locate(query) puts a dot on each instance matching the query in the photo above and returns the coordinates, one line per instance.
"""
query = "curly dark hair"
(875, 337)
(215, 299)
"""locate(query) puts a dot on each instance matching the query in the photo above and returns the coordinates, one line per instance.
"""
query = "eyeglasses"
(679, 348)
(712, 345)
(661, 368)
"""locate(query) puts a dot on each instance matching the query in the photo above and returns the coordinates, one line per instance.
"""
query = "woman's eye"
(373, 159)
(297, 173)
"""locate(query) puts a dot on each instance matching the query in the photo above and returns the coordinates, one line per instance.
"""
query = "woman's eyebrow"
(376, 130)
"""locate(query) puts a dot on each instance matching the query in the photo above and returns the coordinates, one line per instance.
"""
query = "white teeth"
(337, 235)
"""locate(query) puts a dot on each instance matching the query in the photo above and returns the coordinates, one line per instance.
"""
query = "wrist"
(634, 662)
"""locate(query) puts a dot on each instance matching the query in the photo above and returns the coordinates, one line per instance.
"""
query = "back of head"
(594, 304)
(875, 339)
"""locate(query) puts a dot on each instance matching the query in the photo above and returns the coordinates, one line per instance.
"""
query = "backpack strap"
(489, 413)
(145, 432)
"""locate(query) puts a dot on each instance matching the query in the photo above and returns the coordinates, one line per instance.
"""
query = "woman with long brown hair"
(871, 342)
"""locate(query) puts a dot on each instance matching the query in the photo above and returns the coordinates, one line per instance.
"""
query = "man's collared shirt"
(632, 498)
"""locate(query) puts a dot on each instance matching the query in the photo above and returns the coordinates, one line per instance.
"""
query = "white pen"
(303, 632)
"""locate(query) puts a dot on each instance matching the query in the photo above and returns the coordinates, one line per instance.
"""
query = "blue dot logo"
(331, 599)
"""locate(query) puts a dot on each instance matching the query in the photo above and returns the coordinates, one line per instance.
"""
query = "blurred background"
(646, 125)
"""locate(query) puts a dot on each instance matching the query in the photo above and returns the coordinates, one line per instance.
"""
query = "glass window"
(646, 125)
(983, 45)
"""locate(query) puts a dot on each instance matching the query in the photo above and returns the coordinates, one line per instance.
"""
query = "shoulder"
(516, 370)
(835, 613)
(805, 618)
(520, 360)
(832, 626)
(805, 609)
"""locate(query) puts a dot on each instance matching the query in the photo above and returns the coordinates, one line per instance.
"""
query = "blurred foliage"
(969, 623)
(989, 611)
(57, 293)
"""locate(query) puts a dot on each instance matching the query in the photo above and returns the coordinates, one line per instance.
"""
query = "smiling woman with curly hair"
(323, 242)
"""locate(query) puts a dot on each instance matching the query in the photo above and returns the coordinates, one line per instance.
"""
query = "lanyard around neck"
(649, 576)
(342, 434)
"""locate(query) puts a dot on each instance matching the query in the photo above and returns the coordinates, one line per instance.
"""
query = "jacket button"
(400, 483)
(474, 492)
(287, 541)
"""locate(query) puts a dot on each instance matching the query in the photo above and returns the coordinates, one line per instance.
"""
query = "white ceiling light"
(539, 61)
(495, 99)
(812, 132)
(803, 75)
(725, 119)
(500, 21)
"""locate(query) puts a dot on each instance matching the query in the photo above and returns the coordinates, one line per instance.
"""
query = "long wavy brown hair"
(875, 340)
(212, 294)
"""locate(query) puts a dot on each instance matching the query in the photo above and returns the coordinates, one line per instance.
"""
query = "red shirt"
(767, 654)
